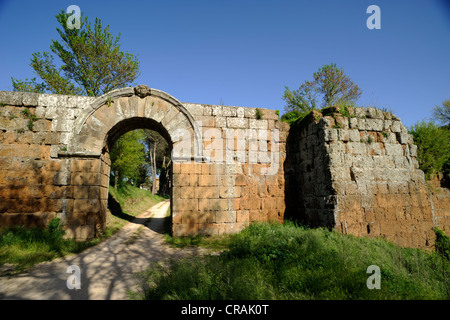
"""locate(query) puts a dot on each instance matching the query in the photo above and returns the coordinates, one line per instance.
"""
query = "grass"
(21, 248)
(274, 261)
(125, 204)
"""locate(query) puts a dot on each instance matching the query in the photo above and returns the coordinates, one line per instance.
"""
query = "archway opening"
(137, 160)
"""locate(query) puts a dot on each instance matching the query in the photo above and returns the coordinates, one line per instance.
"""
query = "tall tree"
(91, 62)
(158, 153)
(442, 113)
(127, 156)
(330, 82)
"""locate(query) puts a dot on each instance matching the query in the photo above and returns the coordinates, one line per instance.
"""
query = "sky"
(244, 53)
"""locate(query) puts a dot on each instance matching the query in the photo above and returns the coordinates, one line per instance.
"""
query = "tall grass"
(274, 261)
(24, 247)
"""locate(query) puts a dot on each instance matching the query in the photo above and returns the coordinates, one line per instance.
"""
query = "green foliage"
(259, 114)
(442, 243)
(442, 113)
(302, 100)
(127, 154)
(330, 82)
(293, 116)
(31, 118)
(24, 247)
(27, 85)
(433, 146)
(274, 261)
(125, 204)
(91, 62)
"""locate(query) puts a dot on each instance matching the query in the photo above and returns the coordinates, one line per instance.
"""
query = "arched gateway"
(226, 161)
(95, 131)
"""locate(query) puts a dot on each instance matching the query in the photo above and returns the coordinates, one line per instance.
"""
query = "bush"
(293, 116)
(442, 243)
(433, 147)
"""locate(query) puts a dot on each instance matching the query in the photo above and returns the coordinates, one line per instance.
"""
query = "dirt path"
(107, 271)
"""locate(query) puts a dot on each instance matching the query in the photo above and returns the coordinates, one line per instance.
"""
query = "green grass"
(274, 261)
(125, 204)
(21, 247)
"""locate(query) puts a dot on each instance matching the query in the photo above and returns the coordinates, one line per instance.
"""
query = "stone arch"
(98, 125)
(95, 121)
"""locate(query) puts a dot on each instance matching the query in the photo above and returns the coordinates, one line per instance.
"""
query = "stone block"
(185, 179)
(241, 123)
(207, 192)
(209, 180)
(185, 205)
(225, 216)
(212, 205)
(396, 126)
(258, 124)
(374, 124)
(404, 138)
(353, 123)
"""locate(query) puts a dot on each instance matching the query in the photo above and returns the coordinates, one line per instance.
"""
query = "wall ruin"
(54, 159)
(357, 174)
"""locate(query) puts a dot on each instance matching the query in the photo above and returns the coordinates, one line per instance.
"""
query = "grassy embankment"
(21, 248)
(273, 261)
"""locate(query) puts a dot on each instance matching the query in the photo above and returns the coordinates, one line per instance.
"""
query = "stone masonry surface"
(359, 174)
(356, 174)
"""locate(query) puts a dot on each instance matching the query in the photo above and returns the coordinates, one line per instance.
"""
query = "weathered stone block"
(237, 123)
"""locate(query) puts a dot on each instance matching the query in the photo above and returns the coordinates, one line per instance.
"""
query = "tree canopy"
(442, 113)
(330, 84)
(433, 147)
(91, 62)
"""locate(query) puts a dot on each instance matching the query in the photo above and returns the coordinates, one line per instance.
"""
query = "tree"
(127, 156)
(433, 146)
(330, 82)
(442, 113)
(92, 63)
(158, 153)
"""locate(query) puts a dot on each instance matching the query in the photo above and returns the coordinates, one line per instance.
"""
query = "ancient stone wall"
(359, 175)
(54, 159)
(241, 177)
(356, 173)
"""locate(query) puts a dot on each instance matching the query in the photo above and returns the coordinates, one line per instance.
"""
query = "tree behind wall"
(330, 84)
(127, 156)
(91, 62)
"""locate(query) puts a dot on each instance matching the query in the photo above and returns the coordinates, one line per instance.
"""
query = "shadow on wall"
(24, 195)
(295, 210)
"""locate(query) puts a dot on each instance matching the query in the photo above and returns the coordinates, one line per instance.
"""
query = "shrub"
(293, 116)
(433, 146)
(442, 243)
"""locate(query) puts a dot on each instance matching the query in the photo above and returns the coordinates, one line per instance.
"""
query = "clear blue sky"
(243, 53)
